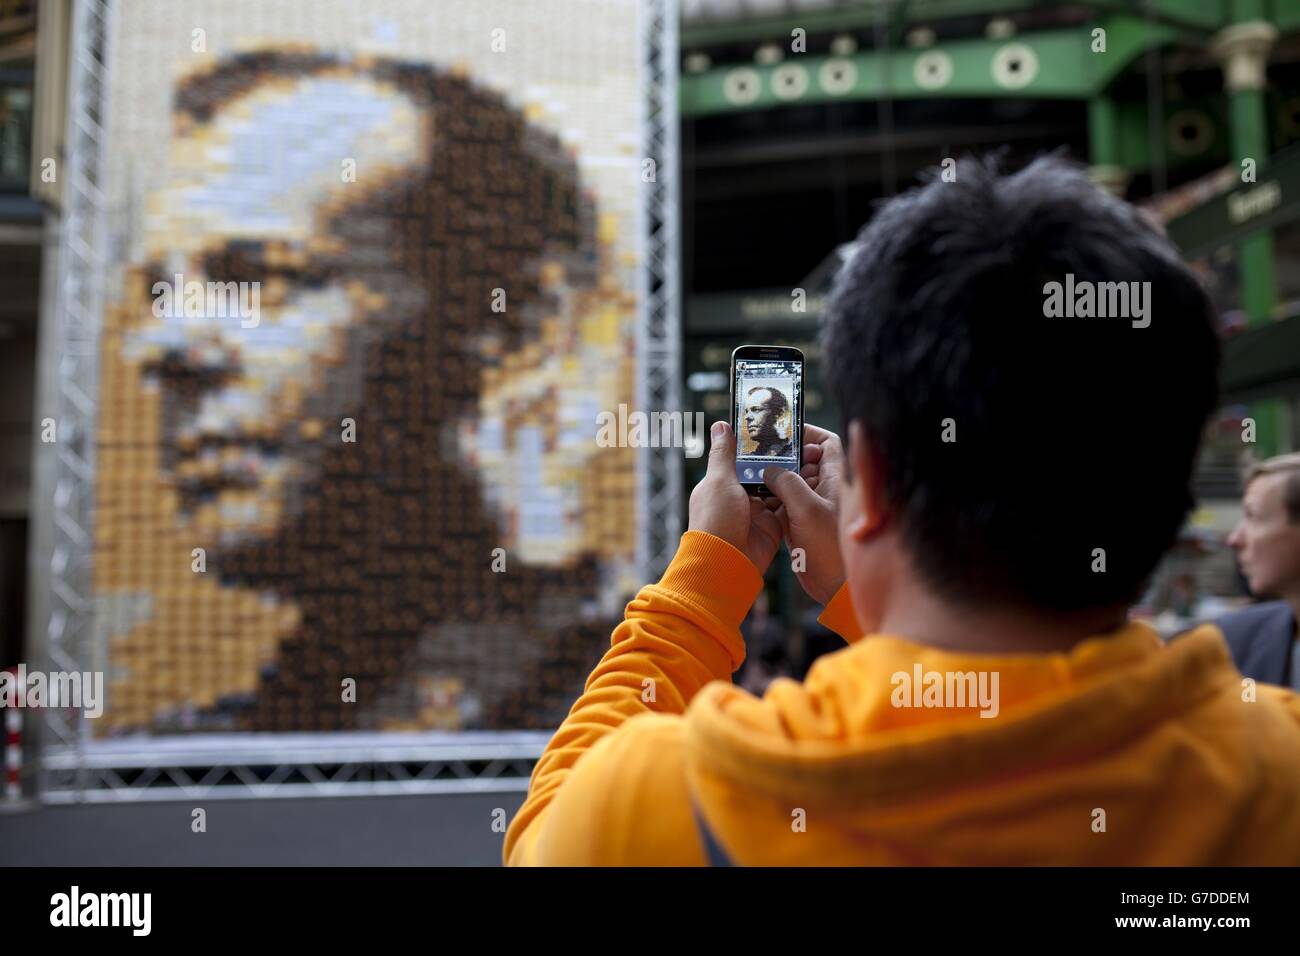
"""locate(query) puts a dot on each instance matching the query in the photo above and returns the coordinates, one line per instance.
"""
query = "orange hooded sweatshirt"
(1120, 751)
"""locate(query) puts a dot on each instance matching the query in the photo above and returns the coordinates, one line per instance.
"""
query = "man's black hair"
(1074, 438)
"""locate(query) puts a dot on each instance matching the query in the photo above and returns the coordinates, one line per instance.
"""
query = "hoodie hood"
(1122, 748)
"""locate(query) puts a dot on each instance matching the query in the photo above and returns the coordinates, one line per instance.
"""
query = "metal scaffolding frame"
(659, 474)
(63, 496)
(241, 766)
(72, 767)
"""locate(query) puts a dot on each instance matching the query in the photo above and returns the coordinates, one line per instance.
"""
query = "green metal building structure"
(1155, 95)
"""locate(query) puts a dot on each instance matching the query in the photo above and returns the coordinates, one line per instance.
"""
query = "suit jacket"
(1261, 639)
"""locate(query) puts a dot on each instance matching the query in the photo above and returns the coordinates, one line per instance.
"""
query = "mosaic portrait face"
(384, 456)
(242, 208)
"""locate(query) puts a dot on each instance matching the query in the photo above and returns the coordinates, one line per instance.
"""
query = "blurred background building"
(798, 115)
(678, 179)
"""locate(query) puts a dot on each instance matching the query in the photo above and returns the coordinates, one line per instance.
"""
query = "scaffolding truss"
(63, 498)
(239, 767)
(659, 335)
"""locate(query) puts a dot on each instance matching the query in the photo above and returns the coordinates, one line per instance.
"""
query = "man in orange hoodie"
(1015, 466)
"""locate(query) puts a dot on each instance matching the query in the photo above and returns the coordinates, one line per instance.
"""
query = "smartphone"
(766, 412)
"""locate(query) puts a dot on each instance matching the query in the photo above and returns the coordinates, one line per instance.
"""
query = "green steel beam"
(1063, 67)
(859, 16)
(1207, 16)
(1243, 10)
(1287, 18)
(1127, 38)
(1257, 281)
(1103, 131)
(1199, 16)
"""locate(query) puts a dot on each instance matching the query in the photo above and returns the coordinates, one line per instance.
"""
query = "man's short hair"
(1288, 465)
(777, 402)
(1067, 435)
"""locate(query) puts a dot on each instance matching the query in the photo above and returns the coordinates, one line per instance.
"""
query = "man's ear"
(867, 484)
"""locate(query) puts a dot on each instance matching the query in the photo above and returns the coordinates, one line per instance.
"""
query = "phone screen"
(767, 416)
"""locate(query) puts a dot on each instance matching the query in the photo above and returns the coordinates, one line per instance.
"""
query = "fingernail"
(719, 429)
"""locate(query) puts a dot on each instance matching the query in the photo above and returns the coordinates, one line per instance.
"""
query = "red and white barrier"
(14, 744)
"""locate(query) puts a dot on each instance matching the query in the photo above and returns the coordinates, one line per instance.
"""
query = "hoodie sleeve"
(676, 636)
(840, 617)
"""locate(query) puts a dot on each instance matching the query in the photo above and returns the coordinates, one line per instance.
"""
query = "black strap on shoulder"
(713, 850)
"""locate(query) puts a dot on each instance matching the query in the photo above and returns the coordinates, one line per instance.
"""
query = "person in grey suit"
(1267, 542)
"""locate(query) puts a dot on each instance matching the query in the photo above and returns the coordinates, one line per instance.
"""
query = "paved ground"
(450, 830)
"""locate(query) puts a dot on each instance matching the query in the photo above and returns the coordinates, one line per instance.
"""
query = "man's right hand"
(808, 512)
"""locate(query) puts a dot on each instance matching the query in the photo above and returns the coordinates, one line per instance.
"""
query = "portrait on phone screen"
(768, 422)
(767, 417)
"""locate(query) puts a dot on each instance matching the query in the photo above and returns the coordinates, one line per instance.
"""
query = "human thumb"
(722, 451)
